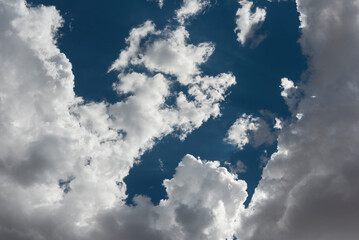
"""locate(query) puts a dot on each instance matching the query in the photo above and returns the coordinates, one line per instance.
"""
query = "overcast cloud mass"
(63, 158)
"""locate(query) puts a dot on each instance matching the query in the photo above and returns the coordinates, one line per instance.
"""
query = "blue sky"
(198, 119)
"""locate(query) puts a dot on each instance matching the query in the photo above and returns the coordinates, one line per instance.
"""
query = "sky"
(179, 119)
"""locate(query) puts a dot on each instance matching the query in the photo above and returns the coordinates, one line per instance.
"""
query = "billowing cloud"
(167, 55)
(204, 202)
(309, 187)
(63, 159)
(190, 8)
(248, 22)
(167, 52)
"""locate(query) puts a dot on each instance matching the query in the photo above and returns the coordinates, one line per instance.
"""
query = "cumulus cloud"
(248, 129)
(248, 22)
(63, 159)
(190, 8)
(204, 202)
(309, 187)
(167, 55)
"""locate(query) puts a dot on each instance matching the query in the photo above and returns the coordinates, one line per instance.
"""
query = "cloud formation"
(290, 93)
(248, 22)
(63, 159)
(208, 209)
(309, 187)
(190, 8)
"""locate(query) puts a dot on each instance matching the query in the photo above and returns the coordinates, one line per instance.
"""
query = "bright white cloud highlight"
(204, 202)
(63, 160)
(190, 8)
(248, 22)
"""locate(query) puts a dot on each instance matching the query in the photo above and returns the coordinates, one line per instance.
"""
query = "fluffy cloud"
(190, 8)
(309, 187)
(167, 55)
(63, 160)
(248, 22)
(248, 129)
(204, 202)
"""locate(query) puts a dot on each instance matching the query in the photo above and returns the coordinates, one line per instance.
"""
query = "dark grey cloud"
(309, 189)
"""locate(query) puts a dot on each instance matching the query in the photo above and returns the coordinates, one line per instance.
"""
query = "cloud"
(308, 188)
(238, 132)
(167, 54)
(248, 129)
(63, 160)
(190, 8)
(204, 201)
(248, 22)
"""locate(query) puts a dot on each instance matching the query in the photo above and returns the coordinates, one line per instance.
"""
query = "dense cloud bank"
(63, 160)
(309, 188)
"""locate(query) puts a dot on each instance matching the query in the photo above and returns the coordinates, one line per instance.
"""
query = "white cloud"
(173, 55)
(190, 8)
(204, 202)
(167, 53)
(133, 41)
(248, 22)
(248, 129)
(63, 160)
(309, 187)
(238, 132)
